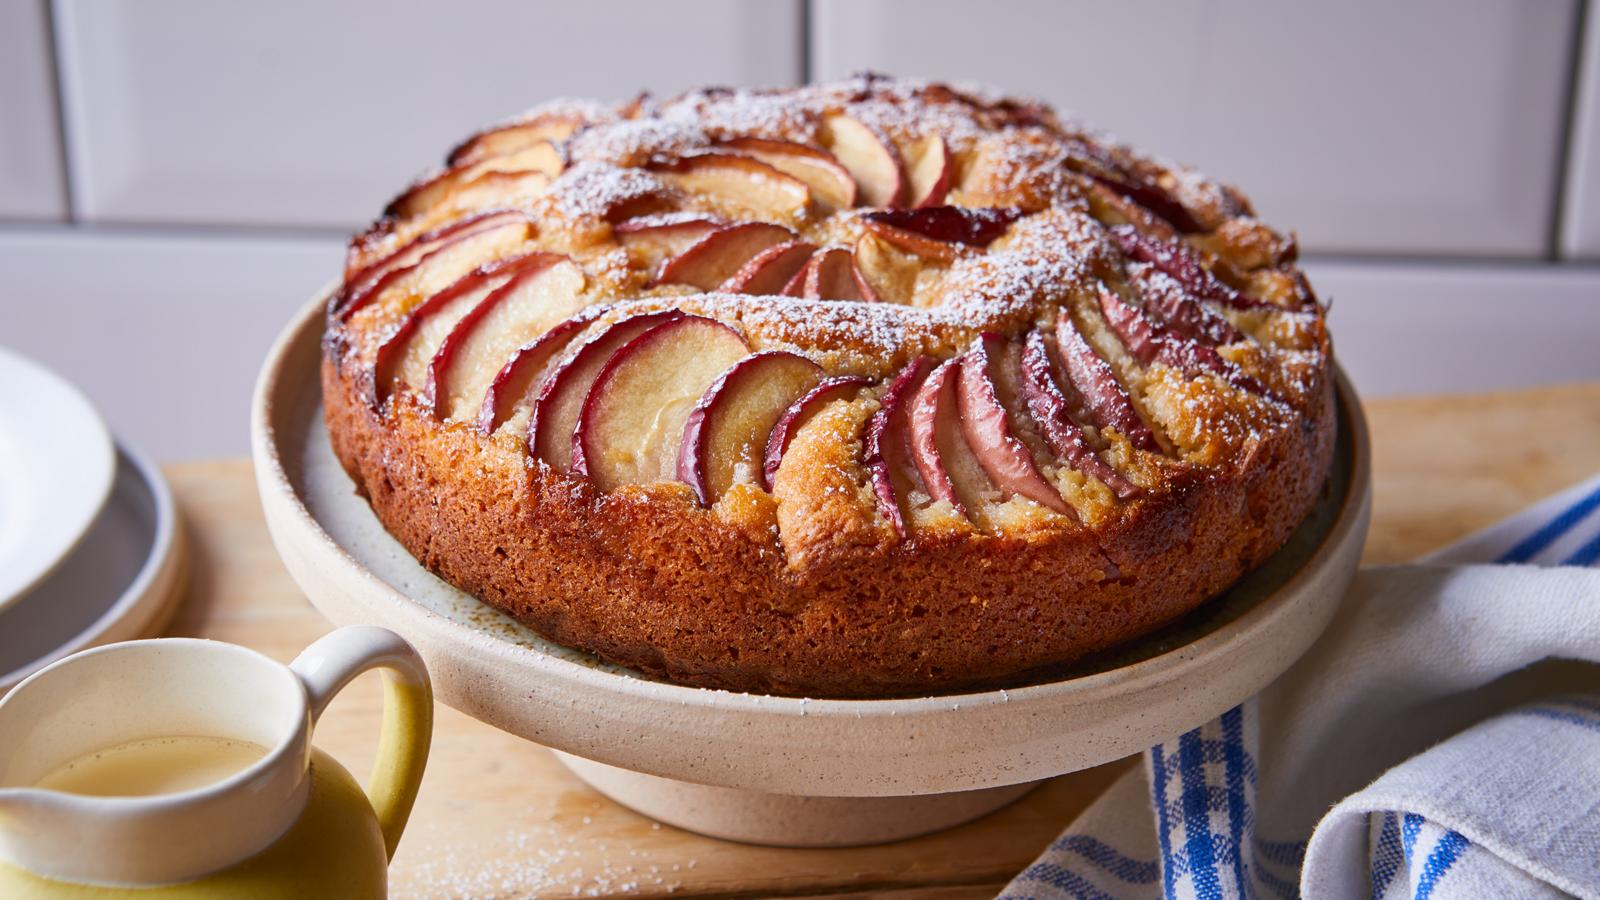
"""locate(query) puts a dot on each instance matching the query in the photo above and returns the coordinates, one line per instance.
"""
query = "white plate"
(487, 666)
(56, 467)
(122, 582)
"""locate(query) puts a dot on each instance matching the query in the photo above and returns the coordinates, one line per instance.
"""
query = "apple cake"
(876, 388)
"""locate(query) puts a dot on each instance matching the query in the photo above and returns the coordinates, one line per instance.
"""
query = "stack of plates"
(90, 549)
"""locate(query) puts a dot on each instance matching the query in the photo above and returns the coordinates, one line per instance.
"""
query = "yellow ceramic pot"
(294, 824)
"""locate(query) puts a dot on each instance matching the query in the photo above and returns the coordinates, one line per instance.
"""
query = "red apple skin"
(925, 434)
(387, 352)
(1109, 405)
(937, 153)
(1049, 407)
(769, 272)
(714, 258)
(1148, 342)
(1177, 309)
(369, 281)
(839, 193)
(987, 426)
(595, 350)
(1181, 264)
(691, 456)
(884, 441)
(973, 227)
(1157, 201)
(501, 398)
(831, 274)
(871, 160)
(800, 412)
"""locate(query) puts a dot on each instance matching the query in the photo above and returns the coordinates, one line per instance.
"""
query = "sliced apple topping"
(739, 184)
(797, 415)
(650, 240)
(448, 260)
(542, 157)
(929, 170)
(1152, 198)
(947, 464)
(713, 259)
(831, 274)
(726, 435)
(631, 426)
(515, 136)
(830, 182)
(886, 446)
(770, 270)
(553, 416)
(530, 303)
(1176, 308)
(405, 354)
(1149, 342)
(1050, 408)
(933, 231)
(1181, 264)
(987, 426)
(870, 159)
(1091, 376)
(360, 279)
(509, 399)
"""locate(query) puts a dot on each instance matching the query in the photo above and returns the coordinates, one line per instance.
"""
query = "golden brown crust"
(808, 589)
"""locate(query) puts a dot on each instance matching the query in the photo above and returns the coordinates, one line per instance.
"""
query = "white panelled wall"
(176, 176)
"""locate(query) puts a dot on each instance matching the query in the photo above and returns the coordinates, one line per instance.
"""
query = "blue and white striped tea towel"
(1442, 739)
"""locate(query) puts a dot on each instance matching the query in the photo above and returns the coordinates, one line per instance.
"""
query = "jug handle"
(334, 661)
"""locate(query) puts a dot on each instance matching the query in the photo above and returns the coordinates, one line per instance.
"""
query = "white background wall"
(177, 176)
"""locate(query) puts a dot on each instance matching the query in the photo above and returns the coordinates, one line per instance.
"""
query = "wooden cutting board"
(499, 817)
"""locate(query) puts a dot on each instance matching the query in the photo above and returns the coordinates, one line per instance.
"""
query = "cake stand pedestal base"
(782, 820)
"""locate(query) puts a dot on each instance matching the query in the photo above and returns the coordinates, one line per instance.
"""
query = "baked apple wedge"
(929, 168)
(986, 423)
(797, 415)
(725, 437)
(741, 184)
(405, 354)
(947, 464)
(510, 396)
(933, 231)
(652, 239)
(715, 258)
(363, 275)
(1149, 342)
(830, 182)
(831, 274)
(1051, 412)
(1171, 305)
(770, 270)
(886, 445)
(870, 159)
(630, 428)
(553, 416)
(530, 303)
(1091, 376)
(514, 136)
(1179, 262)
(446, 261)
(542, 157)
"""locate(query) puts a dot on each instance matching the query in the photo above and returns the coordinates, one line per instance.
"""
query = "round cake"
(867, 389)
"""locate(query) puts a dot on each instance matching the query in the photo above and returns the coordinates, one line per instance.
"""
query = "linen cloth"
(1441, 739)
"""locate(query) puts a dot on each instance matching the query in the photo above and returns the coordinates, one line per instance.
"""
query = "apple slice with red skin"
(512, 392)
(448, 260)
(1157, 201)
(944, 459)
(512, 137)
(1149, 342)
(831, 274)
(830, 182)
(1050, 409)
(731, 425)
(1181, 264)
(405, 354)
(1171, 305)
(713, 259)
(929, 166)
(553, 417)
(656, 238)
(530, 303)
(770, 270)
(429, 192)
(632, 424)
(1092, 377)
(886, 444)
(870, 159)
(987, 426)
(797, 415)
(360, 280)
(943, 225)
(746, 183)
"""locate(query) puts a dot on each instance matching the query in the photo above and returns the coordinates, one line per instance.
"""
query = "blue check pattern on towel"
(1422, 748)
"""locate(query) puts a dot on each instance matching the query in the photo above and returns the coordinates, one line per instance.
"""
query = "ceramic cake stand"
(780, 770)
